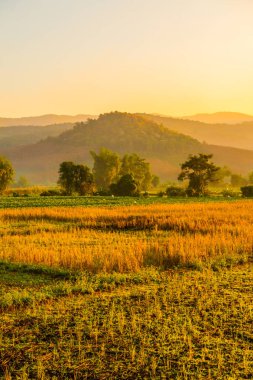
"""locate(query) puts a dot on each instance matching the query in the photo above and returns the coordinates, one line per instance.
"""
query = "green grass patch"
(73, 201)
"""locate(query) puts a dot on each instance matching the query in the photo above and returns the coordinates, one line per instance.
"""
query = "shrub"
(126, 186)
(229, 193)
(175, 191)
(50, 193)
(247, 191)
(102, 193)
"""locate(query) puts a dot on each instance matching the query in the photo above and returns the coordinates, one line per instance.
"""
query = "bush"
(126, 186)
(102, 193)
(247, 191)
(50, 193)
(175, 191)
(229, 193)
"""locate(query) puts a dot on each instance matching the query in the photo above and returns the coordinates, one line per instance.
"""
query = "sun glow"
(91, 57)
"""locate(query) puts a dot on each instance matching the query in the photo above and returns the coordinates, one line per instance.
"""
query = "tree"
(251, 177)
(155, 180)
(83, 180)
(139, 168)
(200, 172)
(66, 177)
(238, 180)
(106, 168)
(247, 191)
(6, 173)
(223, 175)
(75, 178)
(125, 186)
(21, 182)
(175, 191)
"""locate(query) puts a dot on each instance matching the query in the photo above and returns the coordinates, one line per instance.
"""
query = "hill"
(123, 133)
(120, 132)
(236, 135)
(42, 120)
(220, 118)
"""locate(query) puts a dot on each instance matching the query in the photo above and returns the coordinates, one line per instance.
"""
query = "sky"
(173, 57)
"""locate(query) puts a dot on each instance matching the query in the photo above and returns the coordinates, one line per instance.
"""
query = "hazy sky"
(174, 57)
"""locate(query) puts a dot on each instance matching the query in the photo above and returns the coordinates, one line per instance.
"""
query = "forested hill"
(122, 133)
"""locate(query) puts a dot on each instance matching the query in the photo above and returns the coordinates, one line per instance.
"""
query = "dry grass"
(126, 239)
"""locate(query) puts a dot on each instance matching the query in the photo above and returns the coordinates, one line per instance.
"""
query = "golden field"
(161, 291)
(125, 238)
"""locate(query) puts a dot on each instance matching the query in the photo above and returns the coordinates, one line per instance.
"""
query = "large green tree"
(66, 177)
(6, 173)
(75, 178)
(106, 168)
(83, 180)
(199, 171)
(139, 168)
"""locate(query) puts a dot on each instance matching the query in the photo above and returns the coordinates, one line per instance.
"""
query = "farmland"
(119, 290)
(87, 201)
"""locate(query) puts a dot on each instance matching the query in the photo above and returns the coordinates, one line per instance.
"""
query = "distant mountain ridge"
(25, 135)
(232, 135)
(220, 118)
(164, 148)
(43, 120)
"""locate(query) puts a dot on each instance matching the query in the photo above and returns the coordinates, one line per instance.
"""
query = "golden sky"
(174, 57)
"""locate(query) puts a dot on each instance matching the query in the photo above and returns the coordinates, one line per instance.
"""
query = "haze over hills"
(43, 120)
(220, 118)
(124, 133)
(233, 135)
(24, 135)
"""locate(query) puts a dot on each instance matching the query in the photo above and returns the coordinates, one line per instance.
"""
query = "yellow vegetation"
(129, 238)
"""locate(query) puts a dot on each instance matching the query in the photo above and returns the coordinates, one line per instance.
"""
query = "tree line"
(130, 175)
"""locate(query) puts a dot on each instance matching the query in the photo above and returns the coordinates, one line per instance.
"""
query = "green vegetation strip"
(73, 201)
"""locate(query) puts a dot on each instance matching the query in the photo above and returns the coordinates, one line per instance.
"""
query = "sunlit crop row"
(129, 238)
